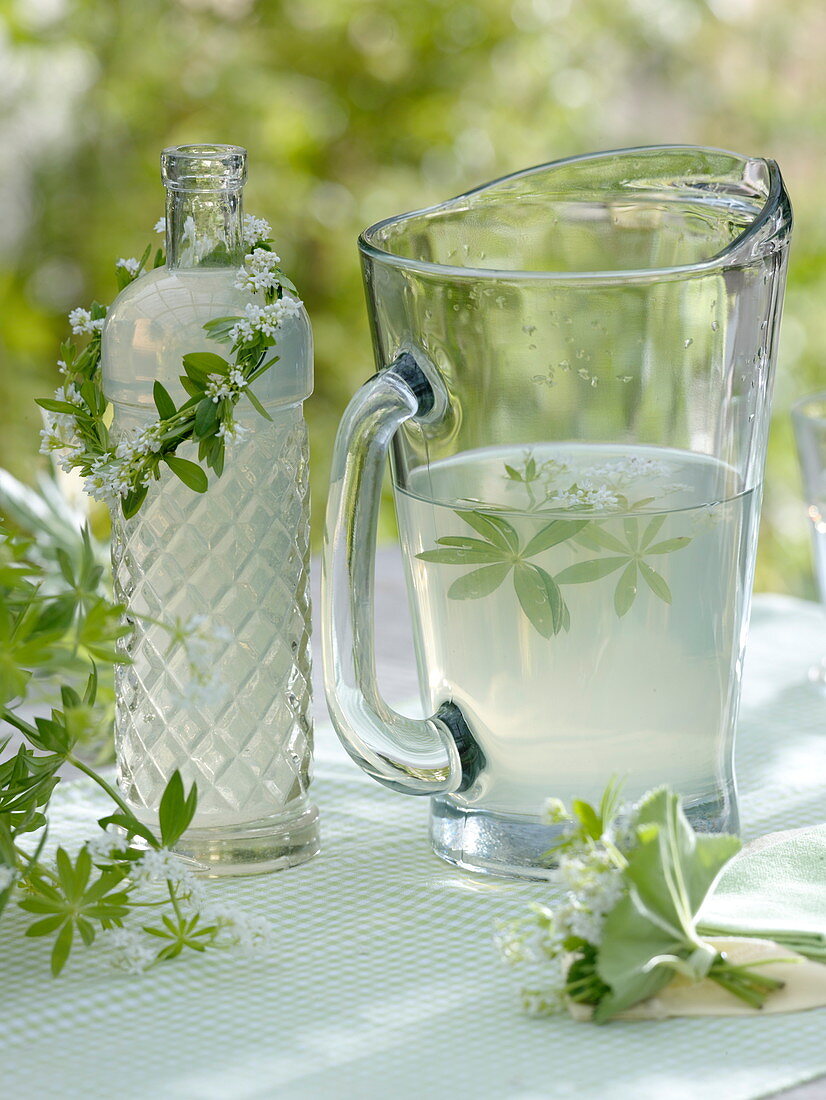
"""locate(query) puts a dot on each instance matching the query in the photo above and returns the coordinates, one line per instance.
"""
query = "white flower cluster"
(256, 229)
(260, 271)
(131, 952)
(533, 948)
(59, 431)
(554, 812)
(231, 431)
(103, 844)
(598, 498)
(81, 321)
(627, 469)
(251, 933)
(159, 865)
(113, 476)
(228, 385)
(595, 885)
(131, 265)
(264, 319)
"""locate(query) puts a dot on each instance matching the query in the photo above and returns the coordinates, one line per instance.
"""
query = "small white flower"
(103, 844)
(131, 265)
(260, 271)
(251, 933)
(232, 431)
(131, 953)
(81, 321)
(158, 865)
(265, 319)
(554, 812)
(160, 225)
(7, 877)
(256, 229)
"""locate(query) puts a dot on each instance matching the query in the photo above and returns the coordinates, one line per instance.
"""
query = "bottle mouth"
(204, 167)
(626, 215)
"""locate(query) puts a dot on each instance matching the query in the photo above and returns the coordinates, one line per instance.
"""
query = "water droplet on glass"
(564, 364)
(714, 326)
(688, 342)
(531, 347)
(529, 329)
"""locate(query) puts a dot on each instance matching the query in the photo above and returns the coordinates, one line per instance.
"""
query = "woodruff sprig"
(146, 904)
(635, 880)
(119, 471)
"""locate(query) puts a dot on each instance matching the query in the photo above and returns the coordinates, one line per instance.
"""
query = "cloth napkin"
(775, 889)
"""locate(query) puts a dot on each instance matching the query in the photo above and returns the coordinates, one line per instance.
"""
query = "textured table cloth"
(382, 980)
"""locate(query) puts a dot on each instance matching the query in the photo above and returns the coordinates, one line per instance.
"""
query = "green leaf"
(539, 597)
(46, 926)
(669, 546)
(655, 582)
(131, 503)
(493, 528)
(626, 590)
(558, 531)
(589, 819)
(62, 947)
(479, 583)
(256, 404)
(632, 531)
(163, 402)
(131, 824)
(51, 405)
(206, 417)
(194, 389)
(629, 941)
(597, 538)
(175, 811)
(513, 474)
(190, 473)
(199, 365)
(652, 530)
(672, 867)
(463, 555)
(593, 570)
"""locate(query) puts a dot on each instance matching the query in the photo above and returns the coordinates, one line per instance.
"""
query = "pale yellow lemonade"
(637, 672)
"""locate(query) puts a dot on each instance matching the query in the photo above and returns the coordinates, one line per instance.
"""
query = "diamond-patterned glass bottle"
(216, 584)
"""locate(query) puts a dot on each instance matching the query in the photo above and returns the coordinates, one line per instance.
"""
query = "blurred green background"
(353, 110)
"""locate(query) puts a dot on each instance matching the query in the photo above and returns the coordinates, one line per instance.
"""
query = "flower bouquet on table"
(637, 934)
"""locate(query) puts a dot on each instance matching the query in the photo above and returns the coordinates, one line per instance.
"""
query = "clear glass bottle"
(216, 584)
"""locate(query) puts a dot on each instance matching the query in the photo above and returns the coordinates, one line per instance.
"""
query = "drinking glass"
(575, 372)
(809, 420)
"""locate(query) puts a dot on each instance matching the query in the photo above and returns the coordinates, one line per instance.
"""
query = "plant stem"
(101, 782)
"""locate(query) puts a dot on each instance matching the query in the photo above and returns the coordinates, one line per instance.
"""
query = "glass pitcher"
(575, 375)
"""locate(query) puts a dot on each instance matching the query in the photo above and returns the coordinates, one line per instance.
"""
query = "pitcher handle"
(418, 756)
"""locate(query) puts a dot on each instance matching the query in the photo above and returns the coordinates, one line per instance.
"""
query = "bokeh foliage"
(357, 109)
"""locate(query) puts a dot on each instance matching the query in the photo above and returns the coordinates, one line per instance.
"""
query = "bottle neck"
(204, 228)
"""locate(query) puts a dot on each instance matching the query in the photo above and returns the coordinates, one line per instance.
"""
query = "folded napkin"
(774, 889)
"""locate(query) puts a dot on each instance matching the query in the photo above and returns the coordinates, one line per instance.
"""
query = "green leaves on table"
(73, 900)
(497, 552)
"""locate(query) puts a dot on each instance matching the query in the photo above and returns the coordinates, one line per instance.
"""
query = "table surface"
(382, 981)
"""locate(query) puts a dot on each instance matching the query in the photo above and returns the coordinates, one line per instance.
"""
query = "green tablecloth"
(382, 981)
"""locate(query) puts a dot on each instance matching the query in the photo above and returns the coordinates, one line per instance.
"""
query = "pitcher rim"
(725, 259)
